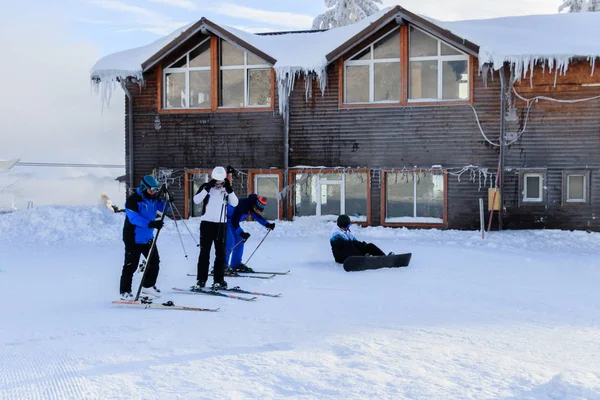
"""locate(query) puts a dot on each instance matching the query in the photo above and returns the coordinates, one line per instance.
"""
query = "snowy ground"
(515, 316)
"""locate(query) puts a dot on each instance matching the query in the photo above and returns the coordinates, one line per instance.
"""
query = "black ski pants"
(133, 251)
(368, 248)
(212, 232)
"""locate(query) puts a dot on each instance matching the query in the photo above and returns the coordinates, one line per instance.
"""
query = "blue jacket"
(139, 211)
(245, 207)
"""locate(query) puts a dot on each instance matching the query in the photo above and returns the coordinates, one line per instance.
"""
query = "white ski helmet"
(218, 174)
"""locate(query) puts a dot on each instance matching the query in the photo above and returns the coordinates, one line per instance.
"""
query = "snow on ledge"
(523, 41)
(554, 39)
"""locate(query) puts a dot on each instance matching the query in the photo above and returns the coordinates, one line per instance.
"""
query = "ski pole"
(268, 231)
(153, 245)
(236, 245)
(184, 224)
(179, 233)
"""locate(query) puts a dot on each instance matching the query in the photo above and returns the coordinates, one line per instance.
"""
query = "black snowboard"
(362, 263)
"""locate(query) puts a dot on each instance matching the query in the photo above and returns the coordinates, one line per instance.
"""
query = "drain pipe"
(502, 149)
(286, 155)
(129, 134)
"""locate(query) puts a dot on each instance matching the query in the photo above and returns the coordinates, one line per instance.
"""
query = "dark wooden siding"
(394, 137)
(245, 140)
(559, 137)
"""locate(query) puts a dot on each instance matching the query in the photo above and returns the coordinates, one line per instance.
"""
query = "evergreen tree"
(580, 5)
(345, 12)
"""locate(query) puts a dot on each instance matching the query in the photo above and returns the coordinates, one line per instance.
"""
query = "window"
(331, 194)
(373, 74)
(436, 70)
(245, 80)
(414, 197)
(187, 80)
(533, 187)
(268, 185)
(575, 186)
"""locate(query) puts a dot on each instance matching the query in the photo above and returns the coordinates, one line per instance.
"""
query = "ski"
(165, 306)
(240, 290)
(211, 292)
(242, 276)
(266, 273)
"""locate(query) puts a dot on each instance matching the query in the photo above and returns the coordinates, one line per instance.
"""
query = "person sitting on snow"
(253, 205)
(344, 244)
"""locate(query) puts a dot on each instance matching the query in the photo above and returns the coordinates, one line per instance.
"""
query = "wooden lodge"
(405, 124)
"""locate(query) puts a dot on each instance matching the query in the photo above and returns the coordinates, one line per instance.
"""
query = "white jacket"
(215, 209)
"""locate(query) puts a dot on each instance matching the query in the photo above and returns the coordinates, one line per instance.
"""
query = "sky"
(48, 113)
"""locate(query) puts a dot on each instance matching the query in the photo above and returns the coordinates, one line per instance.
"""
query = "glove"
(158, 224)
(270, 226)
(245, 236)
(227, 186)
(210, 185)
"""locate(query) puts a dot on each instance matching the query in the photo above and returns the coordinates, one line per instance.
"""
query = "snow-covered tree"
(345, 12)
(580, 5)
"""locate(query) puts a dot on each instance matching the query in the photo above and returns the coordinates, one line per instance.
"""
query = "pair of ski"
(219, 292)
(252, 275)
(169, 305)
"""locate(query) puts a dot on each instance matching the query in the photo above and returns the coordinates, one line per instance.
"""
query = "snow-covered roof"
(290, 50)
(522, 41)
(554, 38)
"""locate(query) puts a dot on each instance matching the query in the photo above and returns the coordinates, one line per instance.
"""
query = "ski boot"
(151, 291)
(127, 296)
(198, 286)
(242, 268)
(219, 285)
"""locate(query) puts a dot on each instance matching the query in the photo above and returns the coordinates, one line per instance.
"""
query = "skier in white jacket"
(214, 195)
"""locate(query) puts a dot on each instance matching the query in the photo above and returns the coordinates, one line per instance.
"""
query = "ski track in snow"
(516, 316)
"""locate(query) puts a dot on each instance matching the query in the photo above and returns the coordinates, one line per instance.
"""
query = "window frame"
(525, 201)
(186, 70)
(404, 78)
(246, 68)
(384, 192)
(254, 173)
(440, 73)
(342, 183)
(371, 64)
(565, 187)
(214, 84)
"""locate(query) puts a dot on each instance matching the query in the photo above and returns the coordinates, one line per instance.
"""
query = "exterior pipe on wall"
(286, 157)
(503, 95)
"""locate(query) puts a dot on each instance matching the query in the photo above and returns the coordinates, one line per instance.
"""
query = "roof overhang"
(205, 27)
(402, 16)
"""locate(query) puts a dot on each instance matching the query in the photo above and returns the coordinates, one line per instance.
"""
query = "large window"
(414, 197)
(373, 74)
(245, 80)
(437, 71)
(187, 80)
(331, 194)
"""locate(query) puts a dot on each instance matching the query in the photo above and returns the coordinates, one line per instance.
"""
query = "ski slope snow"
(514, 316)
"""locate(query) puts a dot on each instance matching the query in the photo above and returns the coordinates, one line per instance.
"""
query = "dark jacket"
(343, 244)
(245, 207)
(139, 211)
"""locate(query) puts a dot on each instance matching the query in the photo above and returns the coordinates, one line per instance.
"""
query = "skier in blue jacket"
(253, 205)
(138, 232)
